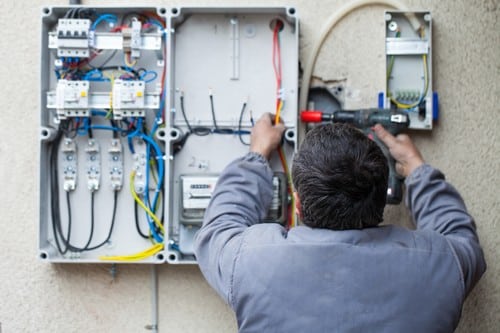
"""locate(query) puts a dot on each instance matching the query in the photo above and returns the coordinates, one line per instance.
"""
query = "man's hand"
(265, 136)
(402, 149)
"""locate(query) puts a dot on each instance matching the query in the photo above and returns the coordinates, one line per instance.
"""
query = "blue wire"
(157, 23)
(146, 73)
(89, 76)
(104, 127)
(99, 113)
(160, 161)
(110, 18)
(150, 141)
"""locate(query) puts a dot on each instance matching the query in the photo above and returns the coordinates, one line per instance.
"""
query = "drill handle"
(395, 181)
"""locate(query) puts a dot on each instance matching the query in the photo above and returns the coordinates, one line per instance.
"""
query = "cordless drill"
(395, 122)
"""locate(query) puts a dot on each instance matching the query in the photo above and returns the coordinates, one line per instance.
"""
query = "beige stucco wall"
(40, 297)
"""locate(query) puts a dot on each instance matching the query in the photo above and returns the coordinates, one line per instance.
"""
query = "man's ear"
(298, 206)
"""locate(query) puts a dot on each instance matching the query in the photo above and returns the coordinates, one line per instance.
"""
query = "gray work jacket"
(382, 279)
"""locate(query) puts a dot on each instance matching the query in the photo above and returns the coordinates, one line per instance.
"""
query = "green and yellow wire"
(426, 78)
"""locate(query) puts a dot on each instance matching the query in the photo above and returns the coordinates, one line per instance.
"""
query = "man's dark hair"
(341, 178)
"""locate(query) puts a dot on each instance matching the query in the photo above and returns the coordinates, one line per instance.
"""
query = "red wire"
(278, 73)
(277, 55)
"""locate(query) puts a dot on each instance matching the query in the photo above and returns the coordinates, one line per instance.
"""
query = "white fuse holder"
(140, 165)
(93, 165)
(116, 164)
(69, 164)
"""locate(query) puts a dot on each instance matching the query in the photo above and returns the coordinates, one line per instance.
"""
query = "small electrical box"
(408, 49)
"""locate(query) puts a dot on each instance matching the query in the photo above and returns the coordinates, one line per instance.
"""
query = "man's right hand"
(265, 136)
(402, 149)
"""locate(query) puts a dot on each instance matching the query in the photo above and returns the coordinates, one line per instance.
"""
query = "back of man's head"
(341, 178)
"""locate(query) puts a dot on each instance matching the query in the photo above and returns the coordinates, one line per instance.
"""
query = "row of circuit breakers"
(143, 107)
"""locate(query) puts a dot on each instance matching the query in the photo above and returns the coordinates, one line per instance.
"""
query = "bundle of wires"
(132, 128)
(63, 242)
(276, 58)
(156, 231)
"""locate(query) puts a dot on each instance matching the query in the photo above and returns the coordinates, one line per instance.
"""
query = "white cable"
(332, 21)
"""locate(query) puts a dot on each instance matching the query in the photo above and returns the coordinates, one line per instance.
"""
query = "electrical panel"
(409, 67)
(141, 109)
(229, 66)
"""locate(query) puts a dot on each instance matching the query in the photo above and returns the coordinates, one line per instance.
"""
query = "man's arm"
(241, 198)
(436, 205)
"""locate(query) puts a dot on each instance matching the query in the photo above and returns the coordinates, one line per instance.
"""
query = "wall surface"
(40, 297)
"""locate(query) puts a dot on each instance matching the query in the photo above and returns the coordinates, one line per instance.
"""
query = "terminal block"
(73, 38)
(69, 164)
(93, 164)
(116, 164)
(140, 162)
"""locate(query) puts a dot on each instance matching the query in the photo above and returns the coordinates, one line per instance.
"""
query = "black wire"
(217, 129)
(136, 215)
(198, 130)
(54, 192)
(55, 208)
(67, 241)
(239, 124)
(113, 218)
(90, 133)
(113, 124)
(68, 246)
(92, 220)
(184, 115)
(212, 108)
(202, 131)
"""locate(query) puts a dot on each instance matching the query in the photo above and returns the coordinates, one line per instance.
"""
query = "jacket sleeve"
(240, 199)
(436, 205)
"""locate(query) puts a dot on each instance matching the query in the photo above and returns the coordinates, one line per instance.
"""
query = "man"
(339, 272)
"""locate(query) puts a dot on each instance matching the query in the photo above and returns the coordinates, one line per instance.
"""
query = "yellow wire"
(426, 87)
(143, 206)
(289, 184)
(278, 112)
(136, 256)
(426, 79)
(129, 64)
(285, 166)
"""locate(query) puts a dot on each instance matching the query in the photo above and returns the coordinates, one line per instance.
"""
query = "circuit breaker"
(141, 109)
